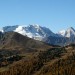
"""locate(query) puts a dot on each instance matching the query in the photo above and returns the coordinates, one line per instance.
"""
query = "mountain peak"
(70, 32)
(34, 31)
(35, 25)
(70, 29)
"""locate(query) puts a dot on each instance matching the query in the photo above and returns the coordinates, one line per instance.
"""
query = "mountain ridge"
(68, 32)
(44, 34)
(16, 41)
(32, 31)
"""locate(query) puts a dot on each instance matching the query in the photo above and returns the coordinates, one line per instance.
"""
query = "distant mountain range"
(44, 34)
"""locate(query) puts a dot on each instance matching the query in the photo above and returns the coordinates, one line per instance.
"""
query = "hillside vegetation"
(34, 57)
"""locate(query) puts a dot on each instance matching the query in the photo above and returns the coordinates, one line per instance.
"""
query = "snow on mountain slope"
(70, 32)
(1, 30)
(33, 31)
(62, 33)
(43, 34)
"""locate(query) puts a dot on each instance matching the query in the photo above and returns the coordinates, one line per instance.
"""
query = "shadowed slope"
(13, 40)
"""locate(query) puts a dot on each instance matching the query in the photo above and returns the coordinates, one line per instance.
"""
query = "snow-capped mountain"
(33, 31)
(70, 32)
(44, 34)
(65, 37)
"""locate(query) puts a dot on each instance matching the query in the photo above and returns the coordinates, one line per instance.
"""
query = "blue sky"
(54, 14)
